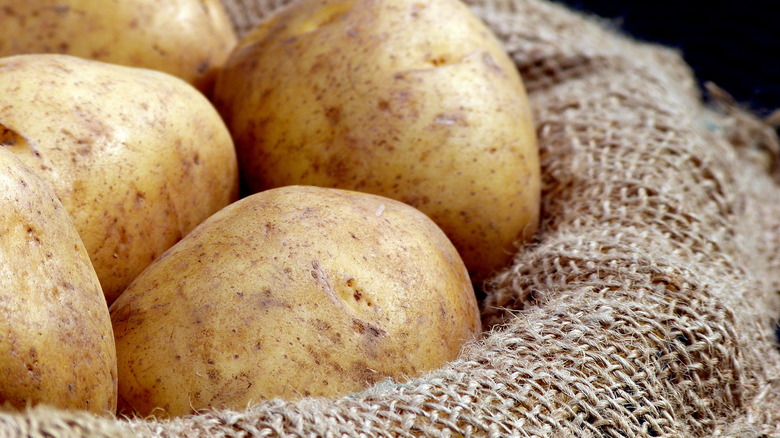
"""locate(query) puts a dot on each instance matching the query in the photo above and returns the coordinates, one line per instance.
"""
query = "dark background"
(735, 44)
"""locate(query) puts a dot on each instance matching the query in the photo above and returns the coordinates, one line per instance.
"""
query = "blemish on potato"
(439, 61)
(333, 114)
(33, 235)
(365, 373)
(320, 325)
(449, 119)
(61, 9)
(491, 64)
(416, 9)
(367, 328)
(14, 141)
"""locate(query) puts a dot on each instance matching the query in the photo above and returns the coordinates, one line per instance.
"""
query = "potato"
(292, 292)
(416, 101)
(138, 157)
(187, 38)
(56, 342)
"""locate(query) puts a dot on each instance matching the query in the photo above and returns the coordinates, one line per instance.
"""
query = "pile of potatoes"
(193, 221)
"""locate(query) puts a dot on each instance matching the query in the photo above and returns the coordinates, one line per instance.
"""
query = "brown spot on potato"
(439, 61)
(333, 114)
(320, 325)
(366, 328)
(160, 51)
(365, 374)
(416, 9)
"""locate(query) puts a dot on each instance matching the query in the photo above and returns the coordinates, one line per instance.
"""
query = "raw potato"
(292, 292)
(56, 342)
(138, 157)
(412, 100)
(187, 38)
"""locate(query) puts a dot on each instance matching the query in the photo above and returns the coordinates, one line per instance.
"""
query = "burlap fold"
(647, 304)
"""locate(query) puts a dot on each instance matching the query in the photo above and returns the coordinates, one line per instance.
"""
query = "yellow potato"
(56, 342)
(292, 292)
(186, 38)
(138, 157)
(412, 100)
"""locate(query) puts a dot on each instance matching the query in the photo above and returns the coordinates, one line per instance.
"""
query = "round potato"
(56, 342)
(292, 292)
(416, 101)
(138, 157)
(187, 38)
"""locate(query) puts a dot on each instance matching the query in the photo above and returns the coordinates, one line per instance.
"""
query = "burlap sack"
(645, 308)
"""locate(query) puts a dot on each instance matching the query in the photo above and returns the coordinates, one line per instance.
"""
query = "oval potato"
(138, 157)
(416, 101)
(189, 39)
(56, 341)
(292, 292)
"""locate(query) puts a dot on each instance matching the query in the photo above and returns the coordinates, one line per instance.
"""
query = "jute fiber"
(645, 307)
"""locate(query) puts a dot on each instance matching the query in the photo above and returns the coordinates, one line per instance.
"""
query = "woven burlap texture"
(646, 305)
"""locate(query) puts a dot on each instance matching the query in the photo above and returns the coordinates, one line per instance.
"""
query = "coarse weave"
(646, 306)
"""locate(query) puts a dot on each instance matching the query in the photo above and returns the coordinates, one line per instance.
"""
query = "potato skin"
(292, 292)
(189, 39)
(138, 157)
(416, 101)
(56, 341)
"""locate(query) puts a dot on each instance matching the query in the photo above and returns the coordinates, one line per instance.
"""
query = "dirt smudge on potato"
(213, 375)
(366, 328)
(266, 299)
(365, 374)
